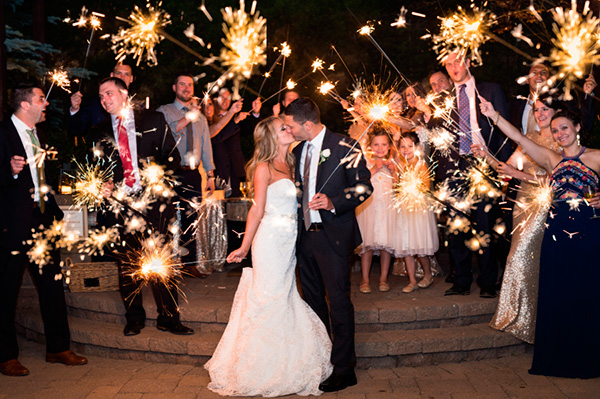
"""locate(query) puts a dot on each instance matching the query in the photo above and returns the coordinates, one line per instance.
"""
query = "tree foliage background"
(310, 27)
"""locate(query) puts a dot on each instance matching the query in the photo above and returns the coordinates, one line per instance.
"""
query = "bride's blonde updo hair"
(266, 147)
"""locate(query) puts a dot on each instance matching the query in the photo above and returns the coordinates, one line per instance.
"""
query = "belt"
(316, 227)
(187, 168)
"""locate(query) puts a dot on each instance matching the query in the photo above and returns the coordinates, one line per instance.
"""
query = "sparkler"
(156, 181)
(463, 33)
(329, 88)
(39, 253)
(366, 31)
(245, 40)
(94, 21)
(480, 185)
(575, 45)
(411, 189)
(142, 36)
(285, 52)
(401, 21)
(89, 179)
(155, 261)
(98, 240)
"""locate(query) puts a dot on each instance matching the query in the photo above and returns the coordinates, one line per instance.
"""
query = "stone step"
(389, 348)
(207, 304)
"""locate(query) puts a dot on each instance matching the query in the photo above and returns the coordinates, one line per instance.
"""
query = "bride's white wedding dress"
(274, 344)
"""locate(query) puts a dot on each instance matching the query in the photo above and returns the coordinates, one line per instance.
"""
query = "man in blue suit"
(474, 128)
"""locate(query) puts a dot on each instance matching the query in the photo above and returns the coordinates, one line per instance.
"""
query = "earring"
(578, 139)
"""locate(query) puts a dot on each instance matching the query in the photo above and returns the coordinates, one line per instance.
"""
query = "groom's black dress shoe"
(337, 382)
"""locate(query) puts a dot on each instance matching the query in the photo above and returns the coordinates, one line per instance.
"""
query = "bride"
(274, 344)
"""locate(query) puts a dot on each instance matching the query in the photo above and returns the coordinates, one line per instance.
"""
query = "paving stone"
(148, 385)
(371, 344)
(104, 392)
(395, 312)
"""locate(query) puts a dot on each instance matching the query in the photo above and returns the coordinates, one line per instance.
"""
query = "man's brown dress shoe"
(13, 368)
(67, 357)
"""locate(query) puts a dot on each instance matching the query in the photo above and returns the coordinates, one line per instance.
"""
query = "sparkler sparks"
(89, 179)
(143, 35)
(464, 33)
(575, 45)
(98, 240)
(479, 182)
(317, 65)
(245, 41)
(154, 261)
(326, 87)
(401, 21)
(60, 78)
(290, 84)
(411, 189)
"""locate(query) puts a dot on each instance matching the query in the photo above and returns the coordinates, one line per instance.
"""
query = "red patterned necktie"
(125, 154)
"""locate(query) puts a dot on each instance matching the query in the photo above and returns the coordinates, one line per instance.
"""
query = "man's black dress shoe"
(174, 327)
(487, 293)
(456, 290)
(337, 382)
(133, 328)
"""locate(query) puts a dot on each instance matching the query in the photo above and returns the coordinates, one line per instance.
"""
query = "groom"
(328, 231)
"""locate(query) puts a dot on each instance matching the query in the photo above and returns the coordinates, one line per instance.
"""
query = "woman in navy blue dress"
(567, 339)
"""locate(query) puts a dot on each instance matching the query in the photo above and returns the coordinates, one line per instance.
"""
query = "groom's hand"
(320, 201)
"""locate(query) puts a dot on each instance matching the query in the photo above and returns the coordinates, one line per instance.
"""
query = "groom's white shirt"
(317, 143)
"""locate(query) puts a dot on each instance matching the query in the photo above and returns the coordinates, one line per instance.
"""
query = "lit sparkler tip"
(61, 79)
(401, 21)
(326, 87)
(290, 84)
(317, 65)
(366, 30)
(285, 49)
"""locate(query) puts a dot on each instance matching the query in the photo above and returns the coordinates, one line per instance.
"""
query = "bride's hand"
(236, 256)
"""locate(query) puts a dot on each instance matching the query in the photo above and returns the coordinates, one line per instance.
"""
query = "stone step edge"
(217, 311)
(368, 345)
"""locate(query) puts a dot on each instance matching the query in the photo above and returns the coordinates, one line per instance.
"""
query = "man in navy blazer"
(148, 139)
(485, 212)
(25, 206)
(328, 231)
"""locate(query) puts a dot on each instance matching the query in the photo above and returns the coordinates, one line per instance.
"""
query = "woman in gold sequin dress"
(517, 305)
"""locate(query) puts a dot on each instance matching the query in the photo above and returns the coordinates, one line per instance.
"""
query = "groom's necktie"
(305, 182)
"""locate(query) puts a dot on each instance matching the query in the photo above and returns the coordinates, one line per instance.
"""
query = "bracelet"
(497, 118)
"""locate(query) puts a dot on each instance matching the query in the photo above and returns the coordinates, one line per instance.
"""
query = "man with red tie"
(127, 137)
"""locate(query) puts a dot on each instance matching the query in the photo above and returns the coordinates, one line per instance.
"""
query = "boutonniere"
(324, 155)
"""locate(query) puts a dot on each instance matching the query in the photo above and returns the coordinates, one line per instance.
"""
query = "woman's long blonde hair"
(266, 147)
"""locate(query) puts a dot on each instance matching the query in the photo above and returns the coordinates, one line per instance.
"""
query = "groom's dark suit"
(324, 254)
(154, 142)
